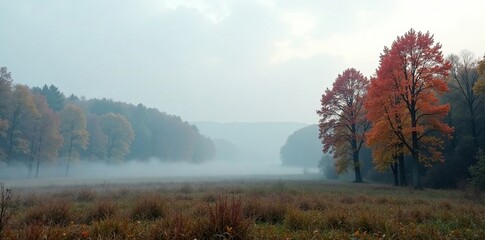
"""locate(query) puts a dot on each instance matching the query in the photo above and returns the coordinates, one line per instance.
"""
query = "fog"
(152, 170)
(222, 61)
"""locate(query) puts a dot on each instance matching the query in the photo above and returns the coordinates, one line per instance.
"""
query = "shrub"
(299, 220)
(101, 211)
(110, 229)
(51, 213)
(265, 211)
(86, 195)
(176, 227)
(148, 207)
(5, 207)
(477, 171)
(225, 221)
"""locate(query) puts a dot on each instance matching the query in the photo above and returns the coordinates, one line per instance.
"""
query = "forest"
(40, 126)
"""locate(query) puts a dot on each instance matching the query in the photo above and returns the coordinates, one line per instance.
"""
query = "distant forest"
(40, 125)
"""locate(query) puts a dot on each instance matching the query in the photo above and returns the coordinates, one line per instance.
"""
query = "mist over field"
(154, 168)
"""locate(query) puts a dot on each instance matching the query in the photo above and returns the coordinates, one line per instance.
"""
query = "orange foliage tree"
(389, 120)
(409, 78)
(343, 122)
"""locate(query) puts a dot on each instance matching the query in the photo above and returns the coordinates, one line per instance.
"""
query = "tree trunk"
(402, 171)
(358, 176)
(474, 127)
(67, 168)
(32, 156)
(416, 175)
(37, 171)
(394, 173)
(415, 150)
(10, 147)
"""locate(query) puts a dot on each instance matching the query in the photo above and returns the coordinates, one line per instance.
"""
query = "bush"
(5, 208)
(101, 211)
(86, 195)
(176, 227)
(51, 213)
(226, 221)
(265, 211)
(148, 207)
(111, 229)
(296, 220)
(477, 171)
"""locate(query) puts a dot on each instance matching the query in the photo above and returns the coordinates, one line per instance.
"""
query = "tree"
(463, 76)
(413, 69)
(343, 123)
(479, 87)
(46, 138)
(477, 171)
(119, 135)
(54, 97)
(302, 148)
(73, 129)
(388, 121)
(5, 92)
(22, 106)
(97, 139)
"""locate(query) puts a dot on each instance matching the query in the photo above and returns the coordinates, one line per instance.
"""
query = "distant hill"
(254, 141)
(303, 148)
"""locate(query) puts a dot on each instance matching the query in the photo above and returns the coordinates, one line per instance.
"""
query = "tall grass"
(256, 210)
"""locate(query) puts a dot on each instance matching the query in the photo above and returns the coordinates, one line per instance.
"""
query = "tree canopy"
(302, 148)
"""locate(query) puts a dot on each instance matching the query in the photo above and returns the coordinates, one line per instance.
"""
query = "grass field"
(242, 209)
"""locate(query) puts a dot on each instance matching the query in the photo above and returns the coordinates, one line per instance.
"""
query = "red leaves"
(342, 114)
(404, 96)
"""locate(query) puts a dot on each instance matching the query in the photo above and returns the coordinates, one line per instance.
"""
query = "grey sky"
(226, 61)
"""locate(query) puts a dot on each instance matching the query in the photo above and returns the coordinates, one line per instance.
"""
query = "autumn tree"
(479, 87)
(21, 107)
(5, 92)
(119, 135)
(73, 130)
(302, 148)
(463, 76)
(97, 139)
(45, 136)
(343, 123)
(388, 119)
(414, 71)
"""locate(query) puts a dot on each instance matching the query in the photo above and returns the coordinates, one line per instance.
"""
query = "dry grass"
(239, 210)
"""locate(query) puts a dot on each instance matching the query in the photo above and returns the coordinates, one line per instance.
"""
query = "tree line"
(42, 126)
(421, 114)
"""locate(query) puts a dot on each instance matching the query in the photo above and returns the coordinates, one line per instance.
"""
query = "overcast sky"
(225, 61)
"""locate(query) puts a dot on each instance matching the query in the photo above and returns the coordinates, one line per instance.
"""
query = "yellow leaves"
(120, 135)
(73, 129)
(479, 87)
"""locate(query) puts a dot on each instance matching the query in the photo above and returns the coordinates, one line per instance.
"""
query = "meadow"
(240, 209)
